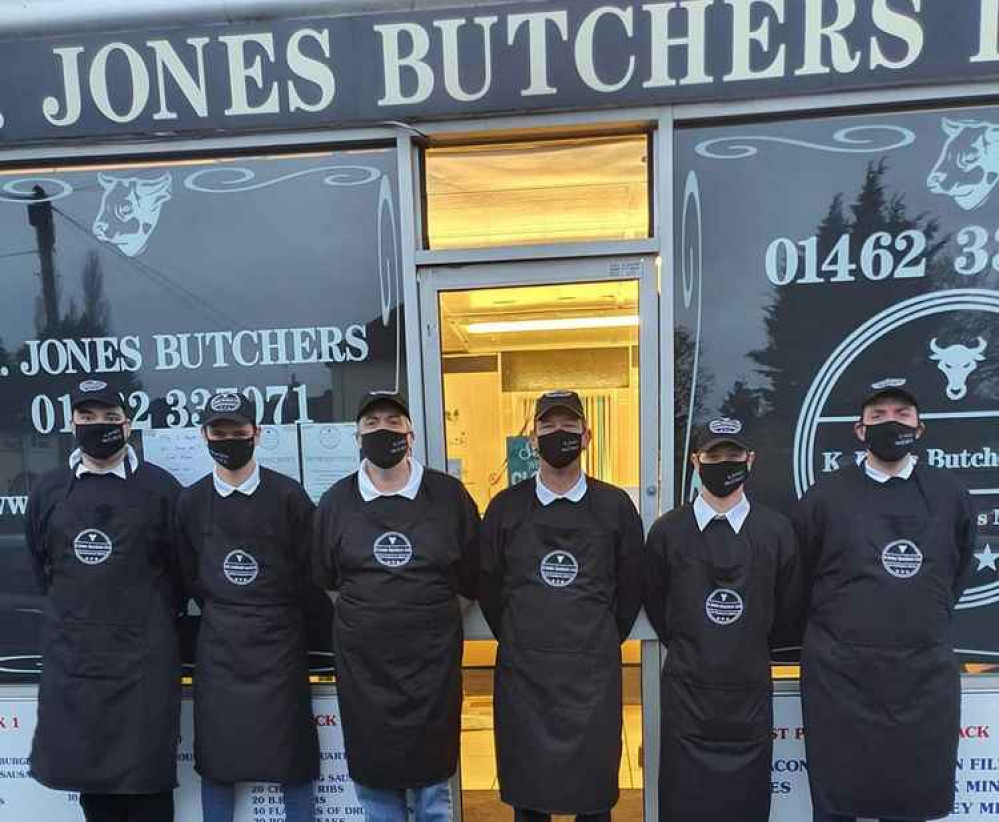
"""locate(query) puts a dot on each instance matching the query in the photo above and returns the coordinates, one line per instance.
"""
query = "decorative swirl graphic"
(691, 271)
(226, 180)
(22, 190)
(390, 268)
(847, 141)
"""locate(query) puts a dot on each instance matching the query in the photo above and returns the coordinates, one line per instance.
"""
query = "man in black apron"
(399, 542)
(886, 542)
(560, 588)
(722, 580)
(100, 536)
(244, 536)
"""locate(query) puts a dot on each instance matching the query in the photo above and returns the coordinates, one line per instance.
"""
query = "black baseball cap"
(229, 407)
(719, 431)
(97, 391)
(374, 397)
(566, 400)
(889, 388)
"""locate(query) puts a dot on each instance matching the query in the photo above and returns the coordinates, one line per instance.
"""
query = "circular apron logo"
(723, 606)
(240, 568)
(902, 559)
(393, 550)
(559, 569)
(92, 547)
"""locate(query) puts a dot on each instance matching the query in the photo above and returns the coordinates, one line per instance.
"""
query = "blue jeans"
(429, 804)
(218, 801)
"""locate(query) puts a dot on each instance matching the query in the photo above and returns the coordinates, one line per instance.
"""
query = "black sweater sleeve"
(34, 536)
(630, 547)
(789, 594)
(492, 566)
(325, 542)
(656, 579)
(469, 539)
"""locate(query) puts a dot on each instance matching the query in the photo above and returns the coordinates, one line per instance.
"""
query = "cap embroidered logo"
(92, 547)
(725, 426)
(902, 559)
(724, 606)
(89, 386)
(393, 550)
(559, 569)
(225, 403)
(240, 568)
(884, 385)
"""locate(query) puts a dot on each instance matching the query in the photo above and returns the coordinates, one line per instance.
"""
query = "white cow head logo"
(130, 210)
(968, 166)
(957, 362)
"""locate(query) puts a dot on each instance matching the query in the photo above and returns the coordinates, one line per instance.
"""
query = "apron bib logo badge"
(240, 568)
(723, 606)
(393, 550)
(902, 559)
(559, 569)
(92, 547)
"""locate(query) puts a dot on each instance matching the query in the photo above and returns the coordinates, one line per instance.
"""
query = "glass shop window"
(538, 191)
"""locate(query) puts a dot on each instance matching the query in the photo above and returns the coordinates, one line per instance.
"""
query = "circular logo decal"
(329, 437)
(559, 569)
(88, 386)
(225, 403)
(902, 559)
(723, 606)
(240, 568)
(92, 547)
(393, 550)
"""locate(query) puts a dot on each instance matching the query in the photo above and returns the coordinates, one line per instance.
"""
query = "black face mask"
(559, 448)
(723, 478)
(384, 448)
(890, 441)
(101, 440)
(231, 454)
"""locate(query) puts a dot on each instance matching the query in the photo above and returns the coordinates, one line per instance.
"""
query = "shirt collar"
(881, 477)
(546, 496)
(77, 465)
(736, 515)
(246, 487)
(370, 492)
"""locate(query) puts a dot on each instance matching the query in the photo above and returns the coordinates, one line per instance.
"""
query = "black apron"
(252, 701)
(717, 695)
(397, 636)
(109, 696)
(881, 691)
(558, 674)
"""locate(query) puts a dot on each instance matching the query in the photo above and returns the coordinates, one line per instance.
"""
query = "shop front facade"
(752, 208)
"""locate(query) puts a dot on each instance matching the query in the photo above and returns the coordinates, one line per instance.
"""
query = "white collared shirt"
(78, 466)
(881, 477)
(546, 496)
(736, 515)
(246, 487)
(370, 492)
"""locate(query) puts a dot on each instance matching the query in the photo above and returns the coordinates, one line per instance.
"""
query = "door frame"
(431, 281)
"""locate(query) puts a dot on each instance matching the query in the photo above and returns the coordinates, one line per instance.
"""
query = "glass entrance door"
(500, 338)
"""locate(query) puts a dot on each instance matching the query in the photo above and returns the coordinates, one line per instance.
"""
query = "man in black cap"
(722, 582)
(886, 542)
(99, 531)
(560, 588)
(244, 537)
(399, 542)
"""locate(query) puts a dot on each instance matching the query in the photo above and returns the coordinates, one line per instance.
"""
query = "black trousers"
(114, 807)
(520, 815)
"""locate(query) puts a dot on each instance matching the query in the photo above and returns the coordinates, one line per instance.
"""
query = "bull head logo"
(957, 362)
(130, 210)
(968, 167)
